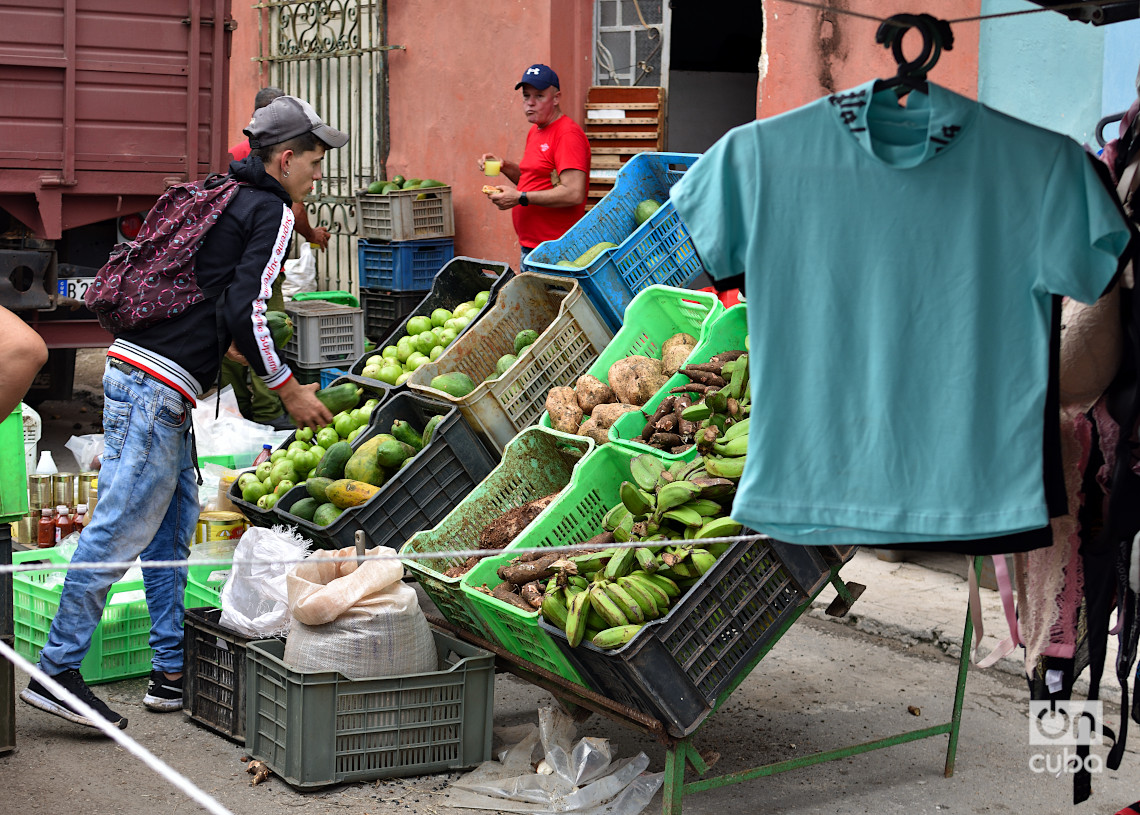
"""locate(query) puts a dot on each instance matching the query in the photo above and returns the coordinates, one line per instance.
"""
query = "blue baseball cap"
(540, 77)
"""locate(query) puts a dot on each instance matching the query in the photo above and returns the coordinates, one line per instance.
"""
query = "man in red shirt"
(553, 176)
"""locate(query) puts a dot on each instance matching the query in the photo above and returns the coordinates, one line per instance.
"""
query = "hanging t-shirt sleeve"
(716, 205)
(1083, 232)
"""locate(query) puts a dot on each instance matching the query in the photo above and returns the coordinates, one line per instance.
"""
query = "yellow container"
(219, 526)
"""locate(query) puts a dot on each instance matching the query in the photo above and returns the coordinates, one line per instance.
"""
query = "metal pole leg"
(674, 786)
(960, 690)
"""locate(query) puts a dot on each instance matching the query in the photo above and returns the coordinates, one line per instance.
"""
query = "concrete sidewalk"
(924, 600)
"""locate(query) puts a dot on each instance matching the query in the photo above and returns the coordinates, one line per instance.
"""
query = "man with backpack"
(148, 497)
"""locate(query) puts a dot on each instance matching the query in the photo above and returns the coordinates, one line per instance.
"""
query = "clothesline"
(976, 18)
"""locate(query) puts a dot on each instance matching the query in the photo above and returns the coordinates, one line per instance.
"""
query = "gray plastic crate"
(324, 334)
(319, 728)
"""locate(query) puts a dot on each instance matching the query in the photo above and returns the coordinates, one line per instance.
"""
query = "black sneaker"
(40, 697)
(163, 695)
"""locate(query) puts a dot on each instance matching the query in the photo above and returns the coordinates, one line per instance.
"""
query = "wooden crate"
(620, 122)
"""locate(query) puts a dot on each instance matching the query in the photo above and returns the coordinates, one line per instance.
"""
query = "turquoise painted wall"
(1121, 58)
(1043, 68)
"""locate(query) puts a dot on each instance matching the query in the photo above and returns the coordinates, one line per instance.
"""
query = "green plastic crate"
(574, 516)
(13, 475)
(318, 728)
(655, 315)
(538, 462)
(120, 646)
(204, 586)
(726, 333)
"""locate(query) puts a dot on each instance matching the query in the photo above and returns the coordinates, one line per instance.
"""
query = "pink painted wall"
(452, 96)
(245, 73)
(812, 52)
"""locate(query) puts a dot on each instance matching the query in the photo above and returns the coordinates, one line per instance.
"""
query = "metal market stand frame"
(681, 752)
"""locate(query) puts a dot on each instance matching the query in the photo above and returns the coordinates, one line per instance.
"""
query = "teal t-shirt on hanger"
(900, 265)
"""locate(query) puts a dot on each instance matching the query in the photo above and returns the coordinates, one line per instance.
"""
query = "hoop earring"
(286, 173)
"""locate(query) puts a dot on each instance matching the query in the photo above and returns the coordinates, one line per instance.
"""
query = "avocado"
(524, 338)
(504, 363)
(645, 210)
(456, 383)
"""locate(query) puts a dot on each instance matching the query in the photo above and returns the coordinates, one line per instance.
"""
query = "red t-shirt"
(561, 145)
(240, 150)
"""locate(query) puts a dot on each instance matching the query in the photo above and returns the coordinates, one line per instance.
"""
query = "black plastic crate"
(7, 621)
(457, 282)
(264, 517)
(213, 686)
(420, 494)
(384, 309)
(676, 667)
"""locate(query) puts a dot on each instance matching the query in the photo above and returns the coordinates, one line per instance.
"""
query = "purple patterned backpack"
(151, 278)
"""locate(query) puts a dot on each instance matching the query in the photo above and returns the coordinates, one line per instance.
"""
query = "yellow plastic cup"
(492, 166)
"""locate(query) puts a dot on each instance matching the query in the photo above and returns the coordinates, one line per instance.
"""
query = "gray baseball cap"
(287, 117)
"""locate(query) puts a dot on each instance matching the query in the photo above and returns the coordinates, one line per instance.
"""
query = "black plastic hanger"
(936, 37)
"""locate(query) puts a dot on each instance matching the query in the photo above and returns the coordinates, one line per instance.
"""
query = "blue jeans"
(148, 508)
(523, 252)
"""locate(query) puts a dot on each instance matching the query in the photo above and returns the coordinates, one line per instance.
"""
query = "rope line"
(416, 556)
(160, 767)
(977, 18)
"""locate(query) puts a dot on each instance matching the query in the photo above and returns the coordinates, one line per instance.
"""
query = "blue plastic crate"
(658, 251)
(403, 265)
(328, 375)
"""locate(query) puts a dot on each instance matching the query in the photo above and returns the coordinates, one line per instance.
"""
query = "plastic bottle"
(266, 451)
(62, 523)
(45, 529)
(79, 519)
(46, 465)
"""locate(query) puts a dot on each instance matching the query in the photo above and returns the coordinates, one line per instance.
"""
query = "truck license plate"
(74, 287)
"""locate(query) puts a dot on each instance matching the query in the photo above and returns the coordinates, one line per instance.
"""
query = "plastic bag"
(230, 434)
(581, 778)
(357, 618)
(301, 273)
(255, 601)
(87, 450)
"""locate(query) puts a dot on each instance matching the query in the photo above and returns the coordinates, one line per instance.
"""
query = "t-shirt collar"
(902, 137)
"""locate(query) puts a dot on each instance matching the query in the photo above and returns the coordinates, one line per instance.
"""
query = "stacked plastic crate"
(406, 237)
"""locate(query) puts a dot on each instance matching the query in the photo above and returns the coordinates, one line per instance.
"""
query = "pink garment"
(1050, 581)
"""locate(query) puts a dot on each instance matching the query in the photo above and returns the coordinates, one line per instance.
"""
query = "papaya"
(280, 327)
(331, 465)
(304, 508)
(375, 187)
(407, 434)
(587, 257)
(363, 465)
(316, 486)
(337, 398)
(346, 493)
(430, 182)
(455, 383)
(325, 514)
(391, 453)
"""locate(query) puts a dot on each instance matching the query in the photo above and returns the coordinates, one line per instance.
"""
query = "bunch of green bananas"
(722, 416)
(606, 597)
